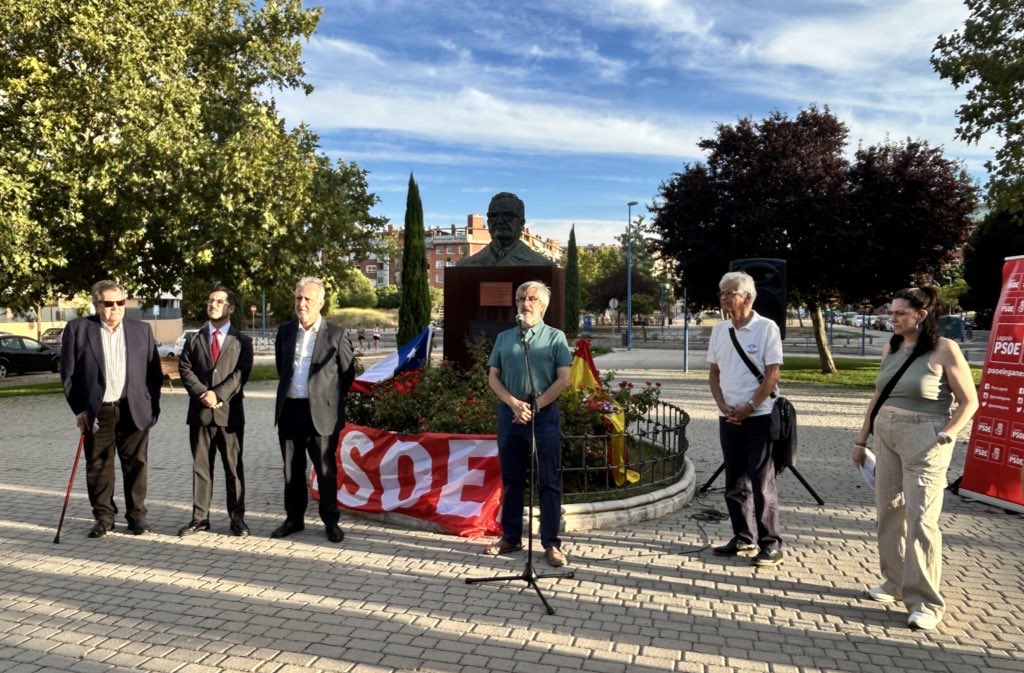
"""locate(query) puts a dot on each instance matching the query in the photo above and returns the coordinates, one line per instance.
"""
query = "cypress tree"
(573, 299)
(414, 311)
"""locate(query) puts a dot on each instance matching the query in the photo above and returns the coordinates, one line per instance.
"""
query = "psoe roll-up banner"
(995, 455)
(451, 480)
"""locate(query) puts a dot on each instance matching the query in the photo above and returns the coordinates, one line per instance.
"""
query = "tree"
(436, 300)
(572, 286)
(782, 188)
(1000, 235)
(613, 286)
(356, 291)
(911, 209)
(594, 264)
(389, 296)
(986, 56)
(139, 140)
(414, 312)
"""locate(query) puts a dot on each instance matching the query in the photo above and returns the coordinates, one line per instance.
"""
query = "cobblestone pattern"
(650, 597)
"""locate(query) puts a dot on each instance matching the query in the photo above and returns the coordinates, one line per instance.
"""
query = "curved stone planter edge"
(614, 513)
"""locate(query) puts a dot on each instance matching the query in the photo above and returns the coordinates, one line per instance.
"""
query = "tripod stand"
(707, 485)
(529, 574)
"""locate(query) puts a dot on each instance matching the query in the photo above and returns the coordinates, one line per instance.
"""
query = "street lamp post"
(629, 276)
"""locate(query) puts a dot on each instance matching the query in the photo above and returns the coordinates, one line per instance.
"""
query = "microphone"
(521, 321)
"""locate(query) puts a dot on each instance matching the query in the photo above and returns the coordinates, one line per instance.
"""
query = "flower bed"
(618, 436)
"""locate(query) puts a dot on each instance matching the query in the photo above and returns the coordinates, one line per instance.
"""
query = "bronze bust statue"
(505, 219)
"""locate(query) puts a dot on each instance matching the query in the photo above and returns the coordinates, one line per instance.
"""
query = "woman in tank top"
(914, 435)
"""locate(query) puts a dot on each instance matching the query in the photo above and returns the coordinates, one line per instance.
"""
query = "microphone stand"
(529, 575)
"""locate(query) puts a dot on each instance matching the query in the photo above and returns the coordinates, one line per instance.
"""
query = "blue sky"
(580, 107)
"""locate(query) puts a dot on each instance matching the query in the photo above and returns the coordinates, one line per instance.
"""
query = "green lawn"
(856, 372)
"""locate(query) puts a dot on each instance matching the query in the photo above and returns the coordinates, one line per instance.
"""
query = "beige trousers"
(910, 477)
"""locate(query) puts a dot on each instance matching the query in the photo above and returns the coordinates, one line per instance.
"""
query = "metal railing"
(655, 451)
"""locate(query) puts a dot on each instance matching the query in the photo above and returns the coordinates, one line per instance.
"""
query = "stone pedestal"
(480, 300)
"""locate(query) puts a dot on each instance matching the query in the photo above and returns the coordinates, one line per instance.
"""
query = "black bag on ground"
(783, 434)
(783, 424)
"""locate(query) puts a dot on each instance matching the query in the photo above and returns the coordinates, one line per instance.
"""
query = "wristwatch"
(944, 437)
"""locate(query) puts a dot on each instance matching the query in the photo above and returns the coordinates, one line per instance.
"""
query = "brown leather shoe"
(502, 546)
(554, 557)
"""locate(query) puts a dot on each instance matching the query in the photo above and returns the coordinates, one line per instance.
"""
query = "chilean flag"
(412, 355)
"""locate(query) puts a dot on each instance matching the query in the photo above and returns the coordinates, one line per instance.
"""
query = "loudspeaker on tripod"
(770, 279)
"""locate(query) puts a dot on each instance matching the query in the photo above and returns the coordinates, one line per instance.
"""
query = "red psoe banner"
(995, 455)
(452, 480)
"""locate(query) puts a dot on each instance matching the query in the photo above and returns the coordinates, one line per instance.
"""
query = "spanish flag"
(584, 376)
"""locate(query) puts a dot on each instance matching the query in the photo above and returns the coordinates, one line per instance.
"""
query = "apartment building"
(445, 246)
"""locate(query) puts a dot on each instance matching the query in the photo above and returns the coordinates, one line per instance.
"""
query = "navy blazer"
(225, 378)
(331, 373)
(83, 372)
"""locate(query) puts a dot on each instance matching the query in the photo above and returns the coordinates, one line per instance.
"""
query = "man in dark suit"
(315, 369)
(214, 366)
(111, 373)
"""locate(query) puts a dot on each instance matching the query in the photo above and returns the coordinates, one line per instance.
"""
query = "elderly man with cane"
(111, 373)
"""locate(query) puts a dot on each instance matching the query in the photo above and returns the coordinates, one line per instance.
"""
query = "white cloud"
(472, 116)
(859, 39)
(588, 232)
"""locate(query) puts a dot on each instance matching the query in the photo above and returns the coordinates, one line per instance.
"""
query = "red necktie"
(215, 346)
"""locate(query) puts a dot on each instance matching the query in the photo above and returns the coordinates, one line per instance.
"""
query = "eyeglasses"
(110, 304)
(532, 300)
(728, 294)
(506, 216)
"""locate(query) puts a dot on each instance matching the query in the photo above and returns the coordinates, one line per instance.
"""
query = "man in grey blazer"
(315, 368)
(215, 364)
(111, 374)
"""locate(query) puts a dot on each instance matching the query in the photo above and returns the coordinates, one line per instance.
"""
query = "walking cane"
(71, 481)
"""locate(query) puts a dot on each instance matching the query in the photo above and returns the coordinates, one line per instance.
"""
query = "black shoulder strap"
(889, 388)
(750, 365)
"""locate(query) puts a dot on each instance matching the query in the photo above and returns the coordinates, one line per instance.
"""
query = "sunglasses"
(111, 304)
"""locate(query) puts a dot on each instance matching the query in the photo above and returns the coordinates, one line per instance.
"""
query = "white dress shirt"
(115, 358)
(305, 340)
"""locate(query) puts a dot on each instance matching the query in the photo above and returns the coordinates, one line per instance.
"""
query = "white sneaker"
(881, 595)
(923, 621)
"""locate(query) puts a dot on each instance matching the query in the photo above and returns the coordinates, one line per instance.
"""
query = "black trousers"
(117, 437)
(299, 439)
(750, 493)
(207, 441)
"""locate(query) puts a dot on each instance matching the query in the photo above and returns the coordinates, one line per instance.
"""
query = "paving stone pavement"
(650, 597)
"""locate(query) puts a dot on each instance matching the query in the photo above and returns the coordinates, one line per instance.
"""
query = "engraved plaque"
(496, 294)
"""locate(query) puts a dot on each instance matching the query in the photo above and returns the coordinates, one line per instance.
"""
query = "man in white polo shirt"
(745, 408)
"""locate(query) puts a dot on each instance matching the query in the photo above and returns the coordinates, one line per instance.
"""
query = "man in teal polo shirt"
(550, 361)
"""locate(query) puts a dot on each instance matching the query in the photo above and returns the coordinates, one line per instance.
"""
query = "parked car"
(883, 322)
(21, 355)
(180, 343)
(846, 318)
(52, 337)
(164, 350)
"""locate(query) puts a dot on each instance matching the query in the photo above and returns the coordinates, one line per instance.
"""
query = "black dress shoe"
(239, 529)
(100, 528)
(194, 527)
(139, 527)
(335, 533)
(287, 528)
(734, 547)
(767, 558)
